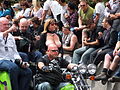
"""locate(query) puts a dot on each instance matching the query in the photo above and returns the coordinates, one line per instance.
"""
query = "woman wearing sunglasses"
(49, 35)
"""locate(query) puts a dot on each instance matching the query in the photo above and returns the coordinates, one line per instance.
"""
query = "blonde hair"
(37, 5)
(47, 23)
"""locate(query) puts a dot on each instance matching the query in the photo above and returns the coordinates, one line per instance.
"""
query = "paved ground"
(97, 85)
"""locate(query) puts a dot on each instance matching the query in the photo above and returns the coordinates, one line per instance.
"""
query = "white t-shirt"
(54, 6)
(114, 6)
(63, 11)
(8, 50)
(25, 13)
(38, 13)
(99, 8)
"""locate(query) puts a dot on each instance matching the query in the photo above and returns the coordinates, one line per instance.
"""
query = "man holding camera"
(20, 74)
(49, 66)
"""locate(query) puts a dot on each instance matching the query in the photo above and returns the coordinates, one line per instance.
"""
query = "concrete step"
(97, 85)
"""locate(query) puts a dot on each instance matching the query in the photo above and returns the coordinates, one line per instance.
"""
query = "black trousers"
(96, 57)
(116, 24)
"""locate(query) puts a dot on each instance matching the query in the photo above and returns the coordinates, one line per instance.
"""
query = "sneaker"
(101, 76)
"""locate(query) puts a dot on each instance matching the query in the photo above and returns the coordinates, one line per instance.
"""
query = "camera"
(20, 63)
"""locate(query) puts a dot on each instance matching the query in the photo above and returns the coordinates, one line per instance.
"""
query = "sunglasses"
(52, 24)
(82, 5)
(55, 50)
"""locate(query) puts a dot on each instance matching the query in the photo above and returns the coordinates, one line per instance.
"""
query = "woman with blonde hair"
(49, 35)
(37, 10)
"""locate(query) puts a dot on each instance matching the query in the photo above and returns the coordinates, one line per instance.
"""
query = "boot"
(102, 76)
(105, 79)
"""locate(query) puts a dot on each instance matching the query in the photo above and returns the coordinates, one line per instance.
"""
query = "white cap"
(17, 5)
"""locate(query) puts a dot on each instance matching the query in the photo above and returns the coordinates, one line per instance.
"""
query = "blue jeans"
(117, 73)
(24, 56)
(34, 56)
(20, 78)
(47, 86)
(30, 56)
(82, 55)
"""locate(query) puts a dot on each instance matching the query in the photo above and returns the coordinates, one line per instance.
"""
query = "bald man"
(51, 78)
(8, 55)
(23, 25)
(26, 43)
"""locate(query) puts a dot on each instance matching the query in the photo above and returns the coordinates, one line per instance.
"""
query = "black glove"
(18, 62)
(46, 68)
(21, 63)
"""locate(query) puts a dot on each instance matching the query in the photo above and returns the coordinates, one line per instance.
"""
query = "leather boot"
(102, 76)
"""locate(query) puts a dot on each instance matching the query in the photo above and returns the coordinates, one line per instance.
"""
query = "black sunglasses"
(55, 50)
(82, 5)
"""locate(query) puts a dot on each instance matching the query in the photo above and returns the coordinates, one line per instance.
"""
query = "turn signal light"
(92, 77)
(68, 76)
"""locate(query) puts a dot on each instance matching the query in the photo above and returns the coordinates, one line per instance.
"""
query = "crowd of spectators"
(83, 34)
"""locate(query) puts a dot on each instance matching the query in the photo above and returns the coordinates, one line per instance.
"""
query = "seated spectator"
(109, 41)
(49, 36)
(116, 76)
(72, 15)
(85, 15)
(111, 7)
(35, 26)
(99, 15)
(16, 8)
(20, 74)
(69, 41)
(7, 9)
(52, 79)
(82, 55)
(1, 10)
(30, 3)
(116, 19)
(50, 10)
(25, 12)
(76, 2)
(25, 41)
(63, 4)
(37, 10)
(110, 63)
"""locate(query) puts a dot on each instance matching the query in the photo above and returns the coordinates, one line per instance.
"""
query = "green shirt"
(87, 15)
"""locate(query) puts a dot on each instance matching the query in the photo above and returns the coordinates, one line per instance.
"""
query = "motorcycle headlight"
(91, 69)
(82, 68)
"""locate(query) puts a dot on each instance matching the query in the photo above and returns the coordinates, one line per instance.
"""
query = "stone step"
(97, 85)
